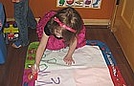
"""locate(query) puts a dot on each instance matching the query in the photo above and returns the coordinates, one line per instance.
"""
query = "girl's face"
(58, 33)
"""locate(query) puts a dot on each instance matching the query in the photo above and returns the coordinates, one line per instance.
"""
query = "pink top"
(54, 43)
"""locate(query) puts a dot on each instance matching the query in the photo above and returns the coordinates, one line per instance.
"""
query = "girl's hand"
(16, 1)
(35, 69)
(0, 23)
(69, 60)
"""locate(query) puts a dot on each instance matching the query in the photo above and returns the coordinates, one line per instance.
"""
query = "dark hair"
(71, 18)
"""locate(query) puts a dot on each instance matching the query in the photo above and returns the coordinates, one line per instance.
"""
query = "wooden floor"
(12, 71)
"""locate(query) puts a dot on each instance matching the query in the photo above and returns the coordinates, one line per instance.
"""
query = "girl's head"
(66, 24)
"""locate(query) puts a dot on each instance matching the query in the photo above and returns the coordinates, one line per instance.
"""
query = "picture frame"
(93, 4)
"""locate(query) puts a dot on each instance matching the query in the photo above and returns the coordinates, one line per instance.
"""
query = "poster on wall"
(94, 4)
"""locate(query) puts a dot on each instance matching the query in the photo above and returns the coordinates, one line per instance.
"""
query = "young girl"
(58, 30)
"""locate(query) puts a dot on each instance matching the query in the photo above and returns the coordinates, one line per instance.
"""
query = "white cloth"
(90, 68)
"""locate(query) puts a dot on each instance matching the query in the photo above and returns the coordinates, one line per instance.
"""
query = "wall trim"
(96, 21)
(86, 21)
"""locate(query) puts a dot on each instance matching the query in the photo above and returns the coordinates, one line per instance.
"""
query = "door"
(123, 28)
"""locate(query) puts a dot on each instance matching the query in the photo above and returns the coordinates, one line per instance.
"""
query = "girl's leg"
(20, 14)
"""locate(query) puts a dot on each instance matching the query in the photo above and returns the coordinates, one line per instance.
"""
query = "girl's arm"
(39, 53)
(68, 58)
(41, 48)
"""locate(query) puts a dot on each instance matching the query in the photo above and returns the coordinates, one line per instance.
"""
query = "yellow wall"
(39, 7)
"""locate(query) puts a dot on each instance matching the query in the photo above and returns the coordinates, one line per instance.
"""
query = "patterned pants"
(24, 19)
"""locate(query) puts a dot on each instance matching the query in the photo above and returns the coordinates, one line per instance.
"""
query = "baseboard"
(96, 21)
(9, 19)
(86, 21)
